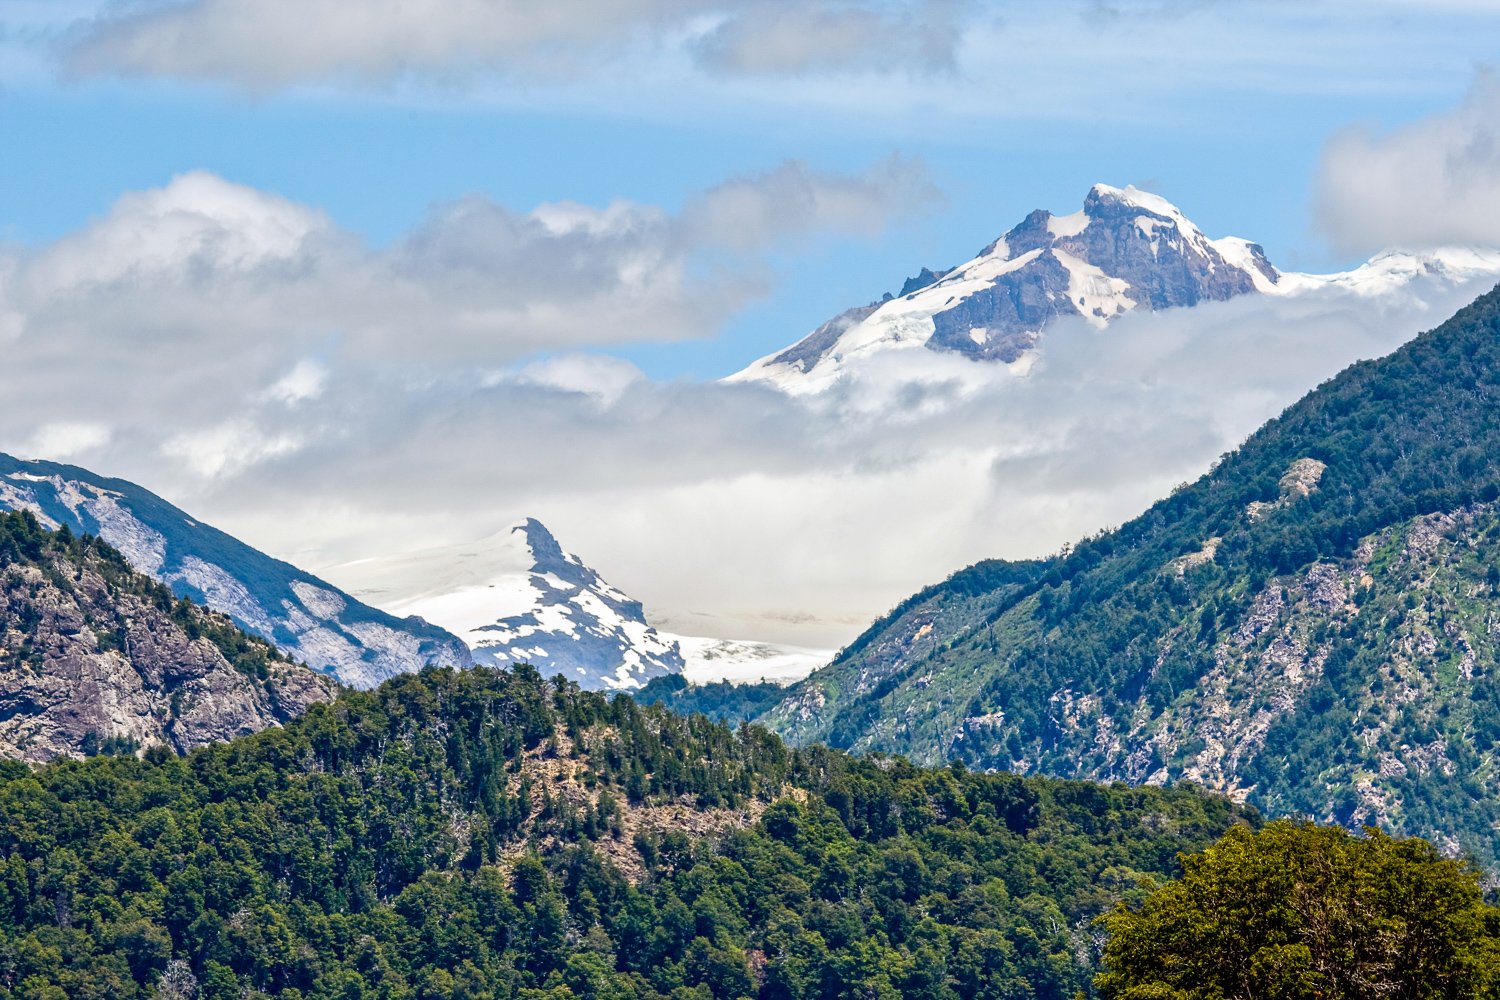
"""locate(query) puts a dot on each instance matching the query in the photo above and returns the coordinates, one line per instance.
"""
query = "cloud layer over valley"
(329, 400)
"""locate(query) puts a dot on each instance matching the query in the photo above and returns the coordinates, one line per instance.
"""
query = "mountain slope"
(1310, 627)
(96, 657)
(520, 597)
(1125, 250)
(306, 618)
(481, 834)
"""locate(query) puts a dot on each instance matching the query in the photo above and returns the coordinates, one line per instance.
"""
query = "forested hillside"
(1311, 626)
(478, 834)
(722, 701)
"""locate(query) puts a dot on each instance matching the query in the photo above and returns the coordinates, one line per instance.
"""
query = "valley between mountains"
(480, 770)
(1310, 627)
(749, 500)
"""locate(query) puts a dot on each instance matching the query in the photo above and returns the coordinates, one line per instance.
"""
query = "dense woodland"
(1301, 912)
(459, 835)
(722, 701)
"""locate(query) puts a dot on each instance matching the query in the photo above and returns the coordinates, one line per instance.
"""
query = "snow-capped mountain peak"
(1125, 249)
(518, 596)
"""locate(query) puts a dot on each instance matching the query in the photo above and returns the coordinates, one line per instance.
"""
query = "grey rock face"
(1124, 250)
(1012, 312)
(926, 276)
(1164, 266)
(86, 664)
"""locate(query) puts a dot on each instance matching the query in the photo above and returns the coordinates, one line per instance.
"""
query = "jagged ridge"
(1126, 249)
(520, 597)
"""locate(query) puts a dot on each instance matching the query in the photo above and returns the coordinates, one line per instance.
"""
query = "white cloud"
(187, 320)
(65, 439)
(227, 448)
(273, 43)
(204, 264)
(209, 304)
(603, 378)
(1430, 183)
(731, 509)
(751, 212)
(777, 39)
(900, 67)
(305, 381)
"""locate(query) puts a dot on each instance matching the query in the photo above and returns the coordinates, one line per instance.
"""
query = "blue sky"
(349, 278)
(1224, 108)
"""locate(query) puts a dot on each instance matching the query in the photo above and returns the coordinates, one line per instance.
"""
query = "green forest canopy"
(469, 834)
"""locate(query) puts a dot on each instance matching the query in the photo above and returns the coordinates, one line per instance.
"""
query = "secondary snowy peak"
(519, 597)
(305, 617)
(1394, 270)
(1125, 249)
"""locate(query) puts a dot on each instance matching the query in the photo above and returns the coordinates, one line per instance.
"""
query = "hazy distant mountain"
(1125, 250)
(307, 618)
(518, 596)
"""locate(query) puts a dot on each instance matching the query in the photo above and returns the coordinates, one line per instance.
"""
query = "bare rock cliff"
(96, 658)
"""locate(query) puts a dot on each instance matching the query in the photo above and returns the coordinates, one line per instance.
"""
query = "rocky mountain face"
(1125, 250)
(96, 658)
(307, 618)
(1313, 627)
(520, 597)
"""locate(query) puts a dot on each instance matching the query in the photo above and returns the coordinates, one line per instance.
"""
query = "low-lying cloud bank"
(330, 401)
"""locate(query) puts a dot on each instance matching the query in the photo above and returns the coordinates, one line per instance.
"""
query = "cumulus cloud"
(305, 381)
(273, 43)
(733, 509)
(751, 212)
(328, 400)
(1432, 182)
(65, 440)
(228, 447)
(213, 269)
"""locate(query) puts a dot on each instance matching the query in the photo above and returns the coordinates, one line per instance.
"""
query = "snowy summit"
(520, 597)
(1125, 250)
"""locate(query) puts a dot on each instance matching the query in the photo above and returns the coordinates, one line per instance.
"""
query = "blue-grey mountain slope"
(306, 618)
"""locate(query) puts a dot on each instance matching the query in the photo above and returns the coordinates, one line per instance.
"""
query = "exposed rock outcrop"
(96, 658)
